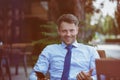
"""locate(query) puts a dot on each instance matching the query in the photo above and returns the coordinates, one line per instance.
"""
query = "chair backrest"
(109, 69)
(101, 53)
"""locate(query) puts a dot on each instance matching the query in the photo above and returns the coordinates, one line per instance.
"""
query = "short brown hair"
(69, 18)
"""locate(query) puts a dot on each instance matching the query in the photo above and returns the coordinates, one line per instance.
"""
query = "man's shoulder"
(85, 45)
(53, 45)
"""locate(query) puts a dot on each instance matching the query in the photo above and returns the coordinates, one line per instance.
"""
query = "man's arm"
(32, 75)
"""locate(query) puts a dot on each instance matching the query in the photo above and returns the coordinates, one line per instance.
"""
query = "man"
(53, 57)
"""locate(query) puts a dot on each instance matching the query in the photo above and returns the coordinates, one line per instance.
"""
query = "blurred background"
(32, 22)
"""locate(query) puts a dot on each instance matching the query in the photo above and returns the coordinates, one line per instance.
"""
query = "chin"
(67, 43)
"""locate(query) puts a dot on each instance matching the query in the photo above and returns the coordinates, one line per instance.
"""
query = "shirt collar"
(75, 44)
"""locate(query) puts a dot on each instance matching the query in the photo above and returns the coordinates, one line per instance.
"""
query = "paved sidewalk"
(111, 50)
(21, 75)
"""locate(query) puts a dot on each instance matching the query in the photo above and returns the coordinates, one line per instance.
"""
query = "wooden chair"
(4, 63)
(20, 51)
(102, 53)
(108, 69)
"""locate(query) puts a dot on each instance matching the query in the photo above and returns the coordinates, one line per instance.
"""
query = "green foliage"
(48, 35)
(108, 27)
(87, 32)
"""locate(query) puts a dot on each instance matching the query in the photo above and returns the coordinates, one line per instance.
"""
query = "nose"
(68, 33)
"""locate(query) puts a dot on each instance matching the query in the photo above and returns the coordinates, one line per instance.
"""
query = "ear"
(77, 29)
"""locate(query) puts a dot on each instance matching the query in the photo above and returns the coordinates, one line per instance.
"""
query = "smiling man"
(69, 60)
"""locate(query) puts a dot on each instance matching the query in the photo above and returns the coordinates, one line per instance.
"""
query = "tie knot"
(69, 47)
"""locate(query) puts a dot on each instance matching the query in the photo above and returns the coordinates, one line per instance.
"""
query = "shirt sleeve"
(94, 77)
(94, 56)
(41, 65)
(32, 76)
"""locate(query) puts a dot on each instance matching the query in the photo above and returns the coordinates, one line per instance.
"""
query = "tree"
(58, 7)
(77, 7)
(117, 16)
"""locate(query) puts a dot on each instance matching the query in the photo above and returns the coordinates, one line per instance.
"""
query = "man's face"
(68, 32)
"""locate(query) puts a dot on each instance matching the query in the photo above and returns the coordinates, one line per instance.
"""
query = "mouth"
(67, 38)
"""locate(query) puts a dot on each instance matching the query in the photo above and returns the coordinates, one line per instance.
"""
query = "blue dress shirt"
(52, 58)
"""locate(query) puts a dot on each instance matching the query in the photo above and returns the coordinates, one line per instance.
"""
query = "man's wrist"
(40, 75)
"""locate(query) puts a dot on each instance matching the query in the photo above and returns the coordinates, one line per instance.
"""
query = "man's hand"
(85, 76)
(40, 76)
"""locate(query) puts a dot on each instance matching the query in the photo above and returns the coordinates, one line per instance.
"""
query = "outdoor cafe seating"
(9, 51)
(108, 69)
(4, 63)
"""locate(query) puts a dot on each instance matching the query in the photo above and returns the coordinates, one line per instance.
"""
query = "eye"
(72, 30)
(64, 31)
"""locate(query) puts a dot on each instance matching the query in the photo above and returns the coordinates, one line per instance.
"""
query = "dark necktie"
(67, 62)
